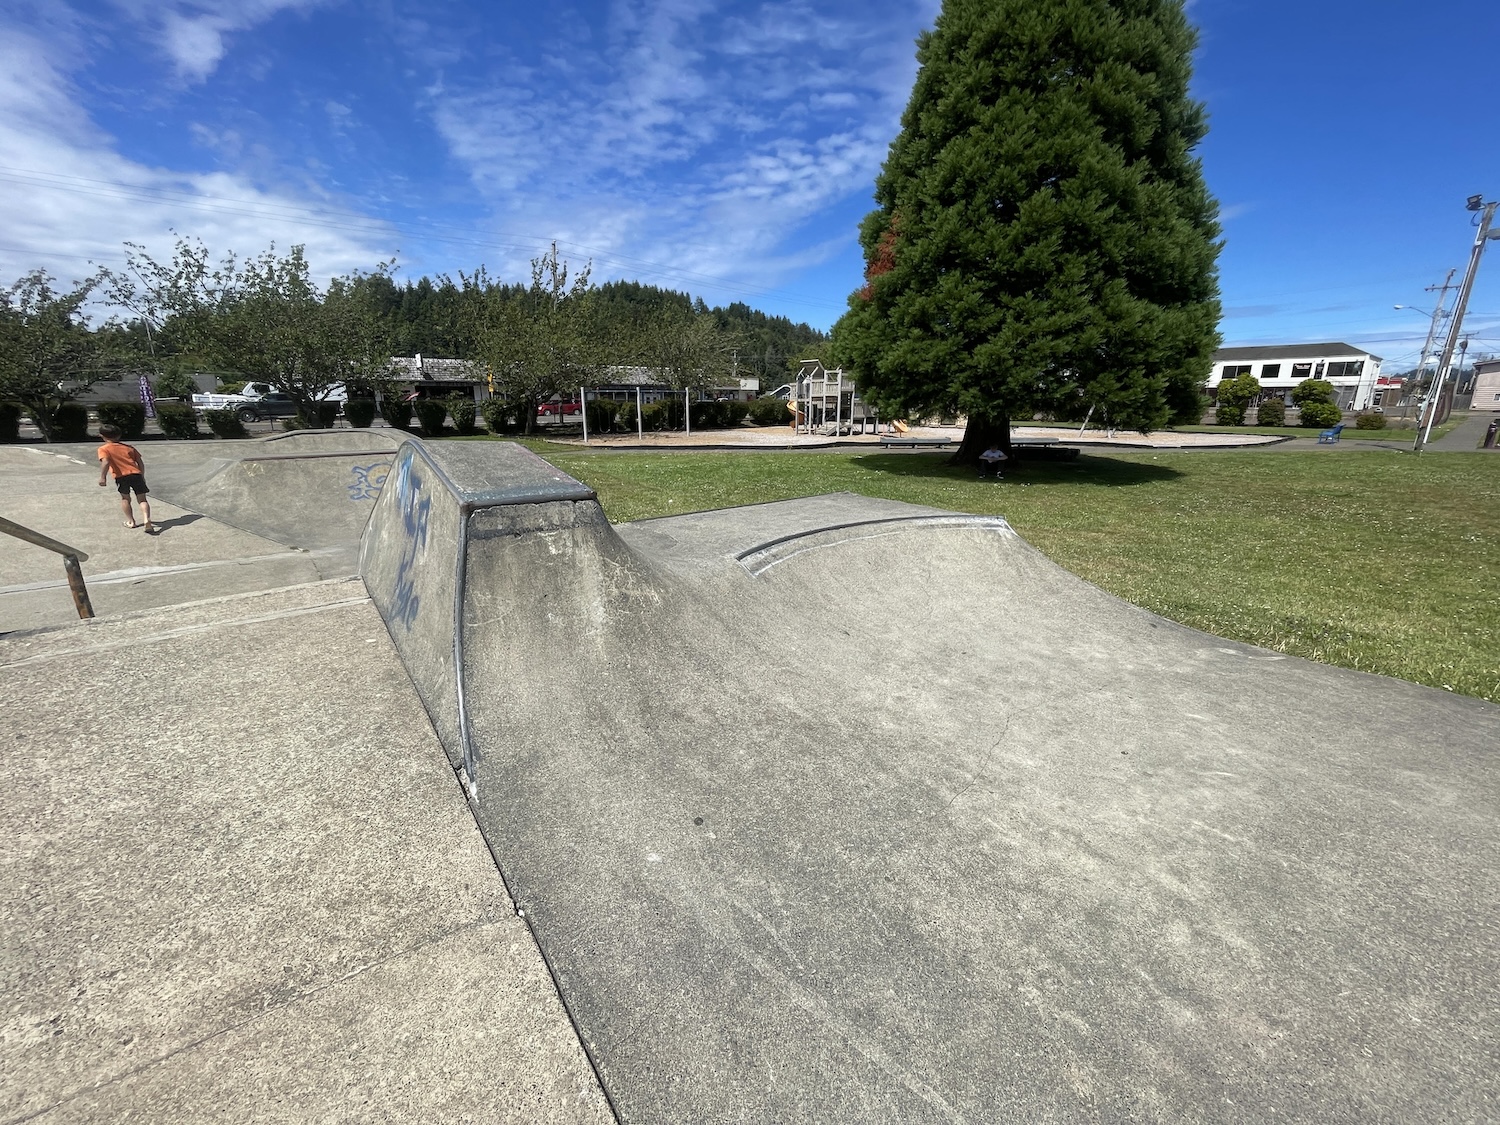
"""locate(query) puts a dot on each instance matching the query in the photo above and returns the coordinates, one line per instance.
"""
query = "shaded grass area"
(1377, 561)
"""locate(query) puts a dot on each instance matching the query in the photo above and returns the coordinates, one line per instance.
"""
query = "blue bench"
(1331, 436)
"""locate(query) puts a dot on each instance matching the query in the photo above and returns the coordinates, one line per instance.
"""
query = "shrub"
(663, 415)
(295, 422)
(176, 384)
(625, 419)
(462, 410)
(1229, 414)
(317, 415)
(498, 416)
(601, 414)
(360, 412)
(396, 413)
(432, 413)
(1369, 420)
(129, 416)
(225, 423)
(1320, 415)
(10, 421)
(1271, 412)
(769, 412)
(734, 412)
(1312, 390)
(177, 420)
(70, 422)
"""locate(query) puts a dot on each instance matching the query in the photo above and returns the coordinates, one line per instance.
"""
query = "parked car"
(557, 409)
(274, 404)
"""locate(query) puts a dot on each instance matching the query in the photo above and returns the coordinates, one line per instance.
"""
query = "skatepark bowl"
(1036, 855)
(1031, 854)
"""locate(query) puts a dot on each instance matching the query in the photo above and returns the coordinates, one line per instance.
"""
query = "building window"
(1234, 372)
(1345, 368)
(1301, 371)
(1270, 371)
(1318, 371)
(1375, 400)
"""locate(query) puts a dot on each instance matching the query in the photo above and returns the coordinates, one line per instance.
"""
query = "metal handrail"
(72, 556)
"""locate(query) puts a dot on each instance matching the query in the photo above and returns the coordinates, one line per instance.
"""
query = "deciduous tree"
(45, 345)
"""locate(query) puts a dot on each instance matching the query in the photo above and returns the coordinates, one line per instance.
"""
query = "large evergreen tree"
(1044, 240)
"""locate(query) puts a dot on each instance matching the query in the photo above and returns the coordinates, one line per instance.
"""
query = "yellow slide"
(900, 427)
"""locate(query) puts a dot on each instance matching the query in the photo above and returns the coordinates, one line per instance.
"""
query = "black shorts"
(132, 482)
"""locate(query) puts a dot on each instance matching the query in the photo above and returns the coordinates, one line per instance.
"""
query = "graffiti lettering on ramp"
(368, 480)
(415, 506)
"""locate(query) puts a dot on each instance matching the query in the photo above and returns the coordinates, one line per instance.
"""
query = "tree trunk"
(979, 435)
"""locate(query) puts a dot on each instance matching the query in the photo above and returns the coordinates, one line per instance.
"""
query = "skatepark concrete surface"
(833, 809)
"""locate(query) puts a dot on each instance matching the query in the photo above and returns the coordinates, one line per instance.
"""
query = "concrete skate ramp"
(843, 810)
(309, 489)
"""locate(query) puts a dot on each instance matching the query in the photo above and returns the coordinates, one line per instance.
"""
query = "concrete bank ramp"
(844, 810)
(308, 488)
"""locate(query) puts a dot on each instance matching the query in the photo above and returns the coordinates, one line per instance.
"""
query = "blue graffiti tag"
(415, 508)
(368, 480)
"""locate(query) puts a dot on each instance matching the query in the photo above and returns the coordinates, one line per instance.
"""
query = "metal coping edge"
(955, 517)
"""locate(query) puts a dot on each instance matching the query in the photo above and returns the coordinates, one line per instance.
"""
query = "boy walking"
(130, 475)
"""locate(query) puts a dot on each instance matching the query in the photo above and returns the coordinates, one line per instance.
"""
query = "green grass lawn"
(1371, 560)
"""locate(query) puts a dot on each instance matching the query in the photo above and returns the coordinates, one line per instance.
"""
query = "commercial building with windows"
(1354, 372)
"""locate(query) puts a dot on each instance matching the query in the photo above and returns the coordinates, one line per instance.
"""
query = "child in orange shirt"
(130, 474)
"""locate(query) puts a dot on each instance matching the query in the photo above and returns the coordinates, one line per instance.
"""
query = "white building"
(1353, 372)
(1486, 385)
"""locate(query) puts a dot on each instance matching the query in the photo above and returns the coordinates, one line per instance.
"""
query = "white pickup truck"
(261, 400)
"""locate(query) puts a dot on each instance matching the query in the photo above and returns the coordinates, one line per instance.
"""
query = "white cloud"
(688, 138)
(71, 192)
(192, 32)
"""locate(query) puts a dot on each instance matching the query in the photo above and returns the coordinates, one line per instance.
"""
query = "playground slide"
(900, 427)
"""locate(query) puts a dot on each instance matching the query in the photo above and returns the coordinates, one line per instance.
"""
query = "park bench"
(915, 442)
(1331, 436)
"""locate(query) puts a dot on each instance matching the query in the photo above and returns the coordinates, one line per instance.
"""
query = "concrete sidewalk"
(241, 883)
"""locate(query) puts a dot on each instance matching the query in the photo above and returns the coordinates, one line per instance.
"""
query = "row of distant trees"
(265, 319)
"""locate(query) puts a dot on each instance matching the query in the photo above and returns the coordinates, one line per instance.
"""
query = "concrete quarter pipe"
(840, 809)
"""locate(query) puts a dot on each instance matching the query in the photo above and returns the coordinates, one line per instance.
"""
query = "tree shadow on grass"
(1109, 472)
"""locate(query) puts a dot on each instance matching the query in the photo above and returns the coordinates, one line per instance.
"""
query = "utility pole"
(1455, 329)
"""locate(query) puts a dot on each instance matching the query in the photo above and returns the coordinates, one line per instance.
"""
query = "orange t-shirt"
(122, 459)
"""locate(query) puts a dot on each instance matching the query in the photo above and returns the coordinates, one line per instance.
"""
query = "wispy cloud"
(77, 199)
(193, 33)
(677, 134)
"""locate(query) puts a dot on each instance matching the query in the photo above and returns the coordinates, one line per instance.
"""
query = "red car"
(555, 409)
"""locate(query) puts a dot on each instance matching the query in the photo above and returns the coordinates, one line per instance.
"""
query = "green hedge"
(498, 416)
(177, 420)
(462, 410)
(10, 421)
(396, 413)
(225, 423)
(1229, 414)
(70, 422)
(318, 415)
(360, 412)
(1271, 412)
(625, 417)
(129, 416)
(602, 415)
(663, 415)
(432, 413)
(1320, 415)
(769, 412)
(1370, 421)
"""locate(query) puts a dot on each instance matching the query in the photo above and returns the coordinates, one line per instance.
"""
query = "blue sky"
(728, 149)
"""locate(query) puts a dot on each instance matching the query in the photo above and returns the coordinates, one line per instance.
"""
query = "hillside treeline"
(263, 318)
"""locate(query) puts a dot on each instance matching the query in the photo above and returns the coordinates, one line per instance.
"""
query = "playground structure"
(826, 402)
